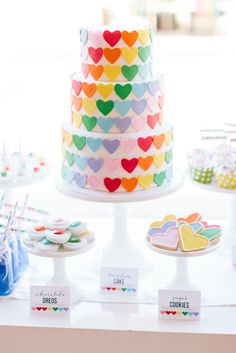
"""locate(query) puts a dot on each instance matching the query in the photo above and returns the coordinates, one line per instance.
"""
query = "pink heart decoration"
(153, 104)
(168, 240)
(77, 86)
(138, 123)
(111, 164)
(95, 182)
(85, 69)
(128, 145)
(207, 226)
(95, 38)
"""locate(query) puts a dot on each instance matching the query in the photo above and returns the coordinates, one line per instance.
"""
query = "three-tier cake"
(117, 140)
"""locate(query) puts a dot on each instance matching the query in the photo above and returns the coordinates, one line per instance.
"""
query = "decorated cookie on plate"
(87, 236)
(77, 227)
(74, 243)
(37, 232)
(58, 236)
(57, 223)
(46, 245)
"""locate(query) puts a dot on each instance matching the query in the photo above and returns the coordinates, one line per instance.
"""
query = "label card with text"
(179, 304)
(118, 280)
(53, 300)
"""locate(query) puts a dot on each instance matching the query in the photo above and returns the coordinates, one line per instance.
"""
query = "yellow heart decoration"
(145, 181)
(159, 224)
(129, 54)
(168, 137)
(159, 159)
(191, 241)
(77, 119)
(105, 90)
(112, 72)
(68, 138)
(143, 36)
(89, 105)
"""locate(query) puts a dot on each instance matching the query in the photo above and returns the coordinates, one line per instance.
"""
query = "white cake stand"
(121, 251)
(230, 228)
(60, 277)
(181, 279)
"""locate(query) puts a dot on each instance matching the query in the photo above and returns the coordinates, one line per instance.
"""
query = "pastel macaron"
(37, 232)
(57, 223)
(46, 245)
(58, 236)
(87, 235)
(77, 227)
(74, 243)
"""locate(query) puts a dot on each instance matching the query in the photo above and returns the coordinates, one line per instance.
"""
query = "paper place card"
(50, 300)
(118, 280)
(179, 304)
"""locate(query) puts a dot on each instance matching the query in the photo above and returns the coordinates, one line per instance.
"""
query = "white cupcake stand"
(121, 251)
(229, 232)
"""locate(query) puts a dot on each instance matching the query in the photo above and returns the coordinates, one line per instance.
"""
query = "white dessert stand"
(181, 279)
(121, 251)
(230, 228)
(60, 277)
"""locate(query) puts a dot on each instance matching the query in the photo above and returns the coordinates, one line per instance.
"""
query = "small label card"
(118, 280)
(179, 304)
(50, 300)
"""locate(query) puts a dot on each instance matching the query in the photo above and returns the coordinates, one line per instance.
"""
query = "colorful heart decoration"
(128, 145)
(111, 165)
(105, 107)
(153, 87)
(80, 180)
(68, 138)
(95, 164)
(129, 164)
(129, 54)
(95, 182)
(105, 90)
(77, 86)
(139, 122)
(168, 137)
(94, 144)
(85, 69)
(111, 145)
(152, 120)
(112, 38)
(153, 104)
(210, 233)
(139, 89)
(96, 71)
(69, 176)
(77, 102)
(112, 55)
(129, 184)
(167, 218)
(144, 53)
(122, 108)
(158, 141)
(129, 37)
(145, 181)
(143, 70)
(105, 124)
(89, 105)
(145, 162)
(95, 37)
(112, 72)
(145, 143)
(168, 240)
(139, 106)
(89, 89)
(112, 184)
(123, 91)
(159, 159)
(122, 123)
(129, 72)
(159, 178)
(89, 122)
(163, 228)
(95, 54)
(169, 156)
(79, 142)
(143, 36)
(81, 162)
(190, 240)
(70, 157)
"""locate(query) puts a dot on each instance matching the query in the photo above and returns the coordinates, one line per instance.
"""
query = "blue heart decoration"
(105, 124)
(80, 180)
(139, 89)
(122, 107)
(81, 162)
(94, 144)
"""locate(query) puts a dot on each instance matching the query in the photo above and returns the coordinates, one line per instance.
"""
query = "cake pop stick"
(7, 226)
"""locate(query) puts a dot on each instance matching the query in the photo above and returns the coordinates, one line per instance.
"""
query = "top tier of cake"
(116, 56)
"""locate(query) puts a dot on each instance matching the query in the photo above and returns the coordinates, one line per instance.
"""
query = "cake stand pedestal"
(182, 279)
(229, 231)
(60, 277)
(121, 251)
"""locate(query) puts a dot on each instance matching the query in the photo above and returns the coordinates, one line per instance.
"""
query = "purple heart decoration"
(80, 180)
(111, 145)
(122, 123)
(138, 106)
(163, 229)
(153, 87)
(95, 164)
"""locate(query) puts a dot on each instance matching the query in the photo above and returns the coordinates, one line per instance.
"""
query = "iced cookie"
(159, 224)
(192, 218)
(190, 240)
(163, 229)
(36, 232)
(168, 240)
(77, 227)
(57, 223)
(74, 243)
(58, 236)
(46, 245)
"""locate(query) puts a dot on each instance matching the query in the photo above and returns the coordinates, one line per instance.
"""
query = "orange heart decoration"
(194, 217)
(129, 184)
(129, 37)
(112, 55)
(158, 140)
(77, 102)
(89, 89)
(96, 71)
(145, 163)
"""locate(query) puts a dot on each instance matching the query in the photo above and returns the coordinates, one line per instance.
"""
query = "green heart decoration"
(70, 158)
(123, 91)
(89, 122)
(79, 141)
(159, 178)
(144, 53)
(130, 71)
(105, 107)
(168, 156)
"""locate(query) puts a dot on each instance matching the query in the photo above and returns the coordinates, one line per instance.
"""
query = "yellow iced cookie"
(159, 224)
(191, 241)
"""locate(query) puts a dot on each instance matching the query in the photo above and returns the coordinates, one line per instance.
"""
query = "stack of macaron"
(58, 234)
(183, 234)
(218, 165)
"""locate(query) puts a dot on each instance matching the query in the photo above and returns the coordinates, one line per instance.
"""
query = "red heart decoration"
(112, 184)
(152, 120)
(77, 86)
(145, 143)
(129, 164)
(44, 308)
(95, 54)
(112, 37)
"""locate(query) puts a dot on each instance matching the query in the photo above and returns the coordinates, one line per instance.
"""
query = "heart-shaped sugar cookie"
(190, 240)
(159, 224)
(168, 240)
